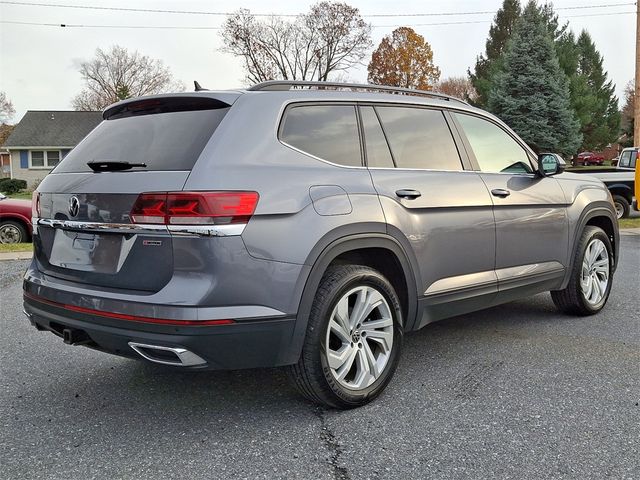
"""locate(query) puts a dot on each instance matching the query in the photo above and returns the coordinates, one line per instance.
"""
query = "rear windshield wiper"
(112, 165)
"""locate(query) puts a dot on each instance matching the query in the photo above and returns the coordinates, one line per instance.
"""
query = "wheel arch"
(378, 250)
(600, 215)
(622, 190)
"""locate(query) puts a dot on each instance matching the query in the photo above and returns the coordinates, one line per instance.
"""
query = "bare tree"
(460, 87)
(117, 74)
(6, 109)
(332, 37)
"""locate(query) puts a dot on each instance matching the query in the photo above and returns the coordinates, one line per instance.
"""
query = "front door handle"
(408, 193)
(500, 192)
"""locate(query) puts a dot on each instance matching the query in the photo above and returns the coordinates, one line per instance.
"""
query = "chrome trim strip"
(489, 277)
(233, 229)
(185, 357)
(460, 282)
(523, 271)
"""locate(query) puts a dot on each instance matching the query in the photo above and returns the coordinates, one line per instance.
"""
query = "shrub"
(12, 185)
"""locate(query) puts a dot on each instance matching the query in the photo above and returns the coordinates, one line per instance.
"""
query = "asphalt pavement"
(517, 391)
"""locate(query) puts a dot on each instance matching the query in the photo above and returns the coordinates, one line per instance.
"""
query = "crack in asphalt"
(333, 446)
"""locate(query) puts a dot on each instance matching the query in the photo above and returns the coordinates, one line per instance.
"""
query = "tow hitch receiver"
(72, 336)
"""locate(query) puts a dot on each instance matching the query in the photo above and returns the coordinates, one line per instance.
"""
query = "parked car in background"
(589, 158)
(308, 225)
(15, 220)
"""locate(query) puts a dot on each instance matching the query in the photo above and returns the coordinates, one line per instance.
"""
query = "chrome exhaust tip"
(175, 356)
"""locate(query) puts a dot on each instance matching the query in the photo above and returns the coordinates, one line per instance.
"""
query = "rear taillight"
(194, 208)
(35, 205)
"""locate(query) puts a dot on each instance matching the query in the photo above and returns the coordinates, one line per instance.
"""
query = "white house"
(43, 138)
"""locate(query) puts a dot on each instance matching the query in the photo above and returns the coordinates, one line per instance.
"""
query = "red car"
(15, 220)
(589, 158)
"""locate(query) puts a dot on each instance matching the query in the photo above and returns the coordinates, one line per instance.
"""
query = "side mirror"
(550, 164)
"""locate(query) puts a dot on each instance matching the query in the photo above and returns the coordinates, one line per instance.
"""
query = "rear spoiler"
(164, 104)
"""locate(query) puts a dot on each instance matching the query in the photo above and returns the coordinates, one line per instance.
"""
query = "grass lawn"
(16, 247)
(21, 195)
(629, 222)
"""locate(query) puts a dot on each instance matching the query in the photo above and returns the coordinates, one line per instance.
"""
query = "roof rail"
(284, 85)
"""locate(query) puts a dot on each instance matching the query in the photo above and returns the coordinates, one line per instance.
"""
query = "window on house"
(44, 158)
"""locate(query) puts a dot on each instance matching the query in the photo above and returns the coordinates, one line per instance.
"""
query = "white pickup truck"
(620, 180)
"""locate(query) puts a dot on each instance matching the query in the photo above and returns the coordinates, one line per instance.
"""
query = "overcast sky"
(39, 64)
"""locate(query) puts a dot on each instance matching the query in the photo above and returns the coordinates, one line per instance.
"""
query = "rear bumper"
(246, 343)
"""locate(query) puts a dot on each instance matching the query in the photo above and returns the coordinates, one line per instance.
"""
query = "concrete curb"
(630, 231)
(15, 255)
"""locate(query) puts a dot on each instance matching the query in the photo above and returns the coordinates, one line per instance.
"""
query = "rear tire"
(622, 206)
(12, 232)
(591, 276)
(353, 341)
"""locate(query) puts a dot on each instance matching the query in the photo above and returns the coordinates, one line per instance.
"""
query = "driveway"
(517, 391)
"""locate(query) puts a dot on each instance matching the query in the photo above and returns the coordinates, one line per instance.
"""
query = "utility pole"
(636, 110)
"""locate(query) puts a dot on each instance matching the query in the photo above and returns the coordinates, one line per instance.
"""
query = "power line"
(187, 27)
(198, 12)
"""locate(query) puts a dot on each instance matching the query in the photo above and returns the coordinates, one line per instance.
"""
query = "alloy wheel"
(594, 279)
(359, 338)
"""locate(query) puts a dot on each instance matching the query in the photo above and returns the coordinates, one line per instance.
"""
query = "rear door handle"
(500, 192)
(408, 193)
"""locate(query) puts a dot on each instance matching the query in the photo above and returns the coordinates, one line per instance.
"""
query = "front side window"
(44, 158)
(329, 132)
(419, 138)
(495, 149)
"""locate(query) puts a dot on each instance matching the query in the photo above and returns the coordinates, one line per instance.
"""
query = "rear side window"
(329, 132)
(378, 154)
(628, 159)
(162, 141)
(495, 149)
(419, 138)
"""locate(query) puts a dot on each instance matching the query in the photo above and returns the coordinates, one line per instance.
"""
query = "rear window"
(329, 132)
(628, 159)
(419, 138)
(163, 141)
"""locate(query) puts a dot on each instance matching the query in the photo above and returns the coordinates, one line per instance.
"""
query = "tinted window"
(163, 141)
(329, 132)
(495, 149)
(419, 138)
(378, 154)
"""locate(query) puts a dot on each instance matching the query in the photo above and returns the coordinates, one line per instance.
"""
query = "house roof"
(52, 128)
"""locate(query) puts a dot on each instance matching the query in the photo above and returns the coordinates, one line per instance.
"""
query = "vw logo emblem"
(74, 206)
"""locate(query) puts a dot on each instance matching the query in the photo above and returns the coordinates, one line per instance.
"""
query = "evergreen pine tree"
(488, 64)
(531, 92)
(593, 97)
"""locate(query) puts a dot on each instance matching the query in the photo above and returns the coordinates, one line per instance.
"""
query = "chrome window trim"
(229, 230)
(395, 169)
(294, 103)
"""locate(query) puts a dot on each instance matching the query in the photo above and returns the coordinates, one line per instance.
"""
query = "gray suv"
(305, 225)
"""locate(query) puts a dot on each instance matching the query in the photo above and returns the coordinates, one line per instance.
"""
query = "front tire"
(591, 277)
(353, 341)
